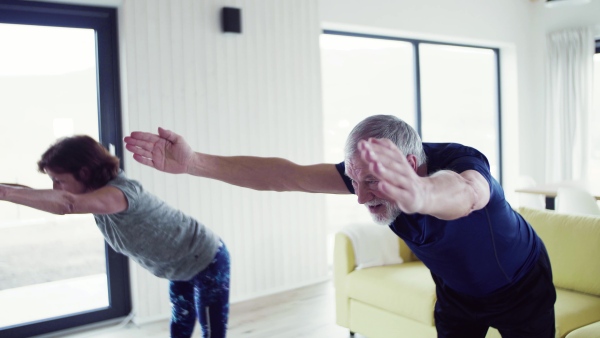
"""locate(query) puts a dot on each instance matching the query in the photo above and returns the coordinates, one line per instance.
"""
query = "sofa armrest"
(343, 257)
(343, 264)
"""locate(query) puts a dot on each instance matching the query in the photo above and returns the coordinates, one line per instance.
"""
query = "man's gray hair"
(390, 127)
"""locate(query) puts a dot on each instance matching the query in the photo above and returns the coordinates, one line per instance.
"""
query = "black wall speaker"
(231, 19)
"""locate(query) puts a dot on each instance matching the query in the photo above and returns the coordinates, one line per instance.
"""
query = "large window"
(447, 92)
(58, 77)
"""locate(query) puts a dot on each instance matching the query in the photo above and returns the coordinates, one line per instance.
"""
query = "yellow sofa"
(398, 300)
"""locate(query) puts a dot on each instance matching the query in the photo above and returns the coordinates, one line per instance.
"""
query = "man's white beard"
(391, 212)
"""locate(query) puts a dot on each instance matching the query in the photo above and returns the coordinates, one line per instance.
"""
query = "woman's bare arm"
(106, 200)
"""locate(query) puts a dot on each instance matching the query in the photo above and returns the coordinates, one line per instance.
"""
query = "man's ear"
(412, 160)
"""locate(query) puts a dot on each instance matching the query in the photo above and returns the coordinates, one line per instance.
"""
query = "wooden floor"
(308, 312)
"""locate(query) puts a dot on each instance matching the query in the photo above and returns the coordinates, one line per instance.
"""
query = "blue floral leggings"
(206, 297)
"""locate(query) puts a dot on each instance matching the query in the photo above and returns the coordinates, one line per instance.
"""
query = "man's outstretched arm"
(169, 152)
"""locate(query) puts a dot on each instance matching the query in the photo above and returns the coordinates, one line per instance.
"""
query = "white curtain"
(568, 103)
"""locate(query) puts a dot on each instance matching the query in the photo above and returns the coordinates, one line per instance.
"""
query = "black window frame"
(417, 78)
(104, 22)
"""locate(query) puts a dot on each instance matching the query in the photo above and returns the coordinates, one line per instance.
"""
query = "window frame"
(104, 22)
(417, 79)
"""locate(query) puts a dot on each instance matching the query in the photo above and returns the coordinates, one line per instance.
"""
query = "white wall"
(255, 93)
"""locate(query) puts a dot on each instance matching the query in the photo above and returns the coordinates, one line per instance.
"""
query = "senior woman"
(170, 244)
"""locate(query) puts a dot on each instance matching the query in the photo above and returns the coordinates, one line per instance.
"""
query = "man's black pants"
(522, 310)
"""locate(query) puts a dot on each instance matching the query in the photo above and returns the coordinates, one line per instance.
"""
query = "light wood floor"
(307, 312)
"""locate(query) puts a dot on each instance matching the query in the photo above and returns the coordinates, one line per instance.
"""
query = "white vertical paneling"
(255, 93)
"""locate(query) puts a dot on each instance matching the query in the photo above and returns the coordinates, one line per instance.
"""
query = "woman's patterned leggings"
(206, 297)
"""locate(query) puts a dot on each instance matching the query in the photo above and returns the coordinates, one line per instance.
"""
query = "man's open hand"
(167, 151)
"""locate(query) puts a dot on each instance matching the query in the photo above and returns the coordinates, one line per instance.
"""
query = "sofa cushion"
(573, 244)
(406, 289)
(575, 309)
(588, 331)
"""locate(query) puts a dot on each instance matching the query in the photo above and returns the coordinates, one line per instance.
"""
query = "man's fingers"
(143, 136)
(139, 150)
(143, 160)
(391, 173)
(387, 143)
(387, 164)
(389, 191)
(145, 144)
(372, 152)
(162, 132)
(384, 147)
(387, 149)
(167, 135)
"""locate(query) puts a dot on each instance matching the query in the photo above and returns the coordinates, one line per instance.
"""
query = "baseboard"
(279, 290)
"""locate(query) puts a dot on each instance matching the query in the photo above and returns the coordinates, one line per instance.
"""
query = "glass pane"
(459, 98)
(50, 265)
(360, 77)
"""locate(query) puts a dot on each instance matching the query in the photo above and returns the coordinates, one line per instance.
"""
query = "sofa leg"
(351, 334)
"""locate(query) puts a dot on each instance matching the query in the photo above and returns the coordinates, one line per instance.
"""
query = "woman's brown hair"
(83, 157)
